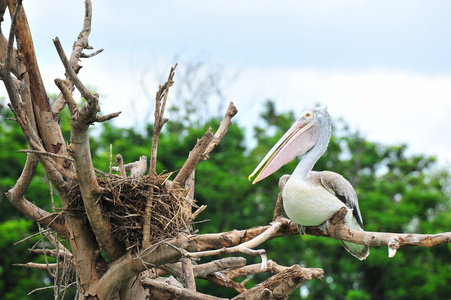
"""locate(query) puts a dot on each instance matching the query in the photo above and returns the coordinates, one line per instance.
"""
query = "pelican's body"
(318, 205)
(311, 198)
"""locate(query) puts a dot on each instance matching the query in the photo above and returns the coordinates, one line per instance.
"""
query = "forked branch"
(160, 105)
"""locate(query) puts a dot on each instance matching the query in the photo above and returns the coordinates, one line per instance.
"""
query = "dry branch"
(47, 122)
(162, 95)
(188, 273)
(281, 285)
(9, 51)
(271, 267)
(160, 290)
(218, 279)
(80, 44)
(92, 100)
(45, 153)
(193, 159)
(393, 241)
(26, 48)
(219, 265)
(33, 265)
(64, 255)
(160, 105)
(222, 130)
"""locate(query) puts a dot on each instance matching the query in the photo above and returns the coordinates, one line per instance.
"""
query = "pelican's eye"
(308, 115)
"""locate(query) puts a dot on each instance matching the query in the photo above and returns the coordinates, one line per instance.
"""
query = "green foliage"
(12, 277)
(398, 193)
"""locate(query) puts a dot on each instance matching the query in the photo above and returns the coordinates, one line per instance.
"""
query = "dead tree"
(127, 231)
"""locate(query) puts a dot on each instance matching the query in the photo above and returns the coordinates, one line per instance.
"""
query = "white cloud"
(385, 69)
(388, 106)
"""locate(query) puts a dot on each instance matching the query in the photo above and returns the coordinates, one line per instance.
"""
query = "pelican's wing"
(338, 186)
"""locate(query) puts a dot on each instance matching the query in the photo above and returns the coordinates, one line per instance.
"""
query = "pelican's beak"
(299, 139)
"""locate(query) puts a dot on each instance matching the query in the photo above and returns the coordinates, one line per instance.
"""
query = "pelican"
(311, 198)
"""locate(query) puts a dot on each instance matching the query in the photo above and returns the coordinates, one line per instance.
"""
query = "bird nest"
(124, 203)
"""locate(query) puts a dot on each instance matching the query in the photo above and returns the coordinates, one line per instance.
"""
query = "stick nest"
(124, 203)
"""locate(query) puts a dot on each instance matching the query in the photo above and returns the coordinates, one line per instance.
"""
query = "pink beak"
(299, 139)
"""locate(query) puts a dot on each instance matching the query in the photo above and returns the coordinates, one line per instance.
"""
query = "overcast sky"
(384, 66)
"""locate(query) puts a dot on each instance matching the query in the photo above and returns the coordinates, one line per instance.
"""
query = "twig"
(40, 289)
(111, 159)
(45, 153)
(107, 117)
(67, 95)
(40, 266)
(222, 130)
(91, 99)
(198, 211)
(30, 237)
(84, 55)
(63, 254)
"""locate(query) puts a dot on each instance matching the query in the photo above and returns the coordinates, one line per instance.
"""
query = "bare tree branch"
(393, 241)
(160, 105)
(63, 254)
(193, 159)
(227, 282)
(33, 265)
(162, 95)
(188, 273)
(45, 153)
(92, 100)
(161, 290)
(271, 267)
(222, 130)
(228, 263)
(281, 285)
(81, 119)
(47, 123)
(9, 50)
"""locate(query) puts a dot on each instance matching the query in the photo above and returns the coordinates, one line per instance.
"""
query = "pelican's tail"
(356, 250)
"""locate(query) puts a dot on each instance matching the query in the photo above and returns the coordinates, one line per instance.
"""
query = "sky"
(383, 66)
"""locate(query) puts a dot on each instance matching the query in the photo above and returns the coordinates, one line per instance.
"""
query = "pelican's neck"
(311, 157)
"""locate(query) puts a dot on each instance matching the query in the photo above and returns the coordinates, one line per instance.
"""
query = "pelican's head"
(298, 140)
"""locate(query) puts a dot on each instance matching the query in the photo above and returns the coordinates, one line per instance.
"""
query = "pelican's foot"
(301, 229)
(324, 226)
